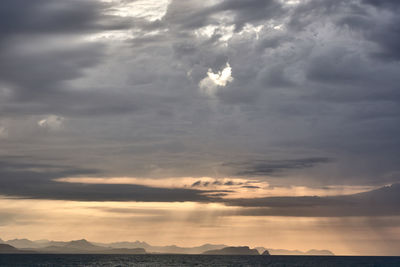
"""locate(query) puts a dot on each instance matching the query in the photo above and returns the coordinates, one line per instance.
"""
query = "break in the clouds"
(214, 81)
(253, 95)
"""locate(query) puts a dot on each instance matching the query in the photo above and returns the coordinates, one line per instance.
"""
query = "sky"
(268, 123)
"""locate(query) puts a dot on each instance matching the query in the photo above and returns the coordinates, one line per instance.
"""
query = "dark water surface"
(44, 260)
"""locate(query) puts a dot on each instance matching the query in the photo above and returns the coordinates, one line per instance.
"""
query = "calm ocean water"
(192, 260)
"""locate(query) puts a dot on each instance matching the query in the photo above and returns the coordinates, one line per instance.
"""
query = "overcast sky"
(247, 104)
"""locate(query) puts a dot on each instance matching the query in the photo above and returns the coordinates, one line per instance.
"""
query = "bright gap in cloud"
(222, 77)
(291, 2)
(210, 84)
(225, 32)
(150, 10)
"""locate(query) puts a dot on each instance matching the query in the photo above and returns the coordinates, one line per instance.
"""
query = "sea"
(45, 260)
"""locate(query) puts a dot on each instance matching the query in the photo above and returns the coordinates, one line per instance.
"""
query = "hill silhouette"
(83, 246)
(8, 249)
(140, 247)
(22, 243)
(5, 248)
(245, 250)
(312, 252)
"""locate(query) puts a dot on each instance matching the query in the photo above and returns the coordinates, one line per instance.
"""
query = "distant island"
(83, 246)
(72, 247)
(8, 249)
(312, 252)
(232, 251)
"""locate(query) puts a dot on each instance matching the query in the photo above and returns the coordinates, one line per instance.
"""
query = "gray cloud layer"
(265, 167)
(314, 97)
(35, 181)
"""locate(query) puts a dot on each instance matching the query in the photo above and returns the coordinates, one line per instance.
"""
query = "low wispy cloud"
(274, 167)
(380, 202)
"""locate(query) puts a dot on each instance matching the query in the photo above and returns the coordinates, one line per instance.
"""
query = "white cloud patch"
(143, 9)
(3, 132)
(214, 81)
(51, 122)
(249, 28)
(290, 2)
(225, 32)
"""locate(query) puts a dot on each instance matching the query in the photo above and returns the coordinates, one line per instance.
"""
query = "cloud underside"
(28, 180)
(380, 202)
(295, 94)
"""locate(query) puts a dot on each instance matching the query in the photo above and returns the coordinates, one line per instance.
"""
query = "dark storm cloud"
(251, 11)
(24, 179)
(386, 35)
(37, 73)
(98, 192)
(380, 29)
(380, 202)
(101, 102)
(16, 172)
(46, 16)
(191, 16)
(40, 46)
(273, 167)
(383, 30)
(318, 11)
(383, 3)
(319, 78)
